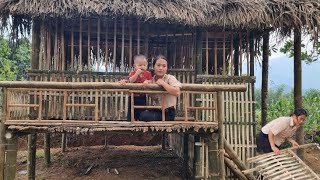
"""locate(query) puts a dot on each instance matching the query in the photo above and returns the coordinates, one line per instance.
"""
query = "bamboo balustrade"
(81, 102)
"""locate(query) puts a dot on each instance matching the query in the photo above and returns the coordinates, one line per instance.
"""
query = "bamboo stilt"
(47, 156)
(213, 156)
(31, 168)
(11, 157)
(64, 142)
(185, 165)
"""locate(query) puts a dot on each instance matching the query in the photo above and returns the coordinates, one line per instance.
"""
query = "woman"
(277, 131)
(170, 84)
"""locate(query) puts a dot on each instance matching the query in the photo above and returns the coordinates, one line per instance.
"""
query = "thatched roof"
(236, 14)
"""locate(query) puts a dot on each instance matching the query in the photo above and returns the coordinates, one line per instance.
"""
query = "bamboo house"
(80, 49)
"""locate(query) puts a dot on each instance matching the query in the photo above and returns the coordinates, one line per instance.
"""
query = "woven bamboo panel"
(285, 166)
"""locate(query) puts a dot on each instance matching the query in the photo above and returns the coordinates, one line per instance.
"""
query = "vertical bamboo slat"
(72, 49)
(224, 54)
(2, 131)
(240, 54)
(248, 54)
(215, 57)
(48, 63)
(56, 53)
(130, 43)
(207, 52)
(231, 56)
(107, 47)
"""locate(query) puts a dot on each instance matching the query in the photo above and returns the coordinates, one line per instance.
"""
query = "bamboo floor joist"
(287, 165)
(113, 127)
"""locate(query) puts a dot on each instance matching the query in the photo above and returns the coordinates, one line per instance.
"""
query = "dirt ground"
(130, 162)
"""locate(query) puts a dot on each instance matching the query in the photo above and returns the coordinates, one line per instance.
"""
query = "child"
(139, 75)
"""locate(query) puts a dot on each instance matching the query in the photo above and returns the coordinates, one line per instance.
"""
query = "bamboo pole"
(114, 45)
(2, 132)
(221, 135)
(115, 85)
(56, 53)
(240, 54)
(79, 65)
(213, 157)
(146, 40)
(47, 157)
(215, 57)
(98, 43)
(207, 53)
(234, 169)
(130, 43)
(231, 56)
(199, 51)
(62, 47)
(185, 165)
(63, 142)
(89, 45)
(72, 48)
(107, 47)
(11, 157)
(234, 158)
(31, 165)
(42, 52)
(34, 60)
(122, 45)
(48, 47)
(224, 54)
(138, 36)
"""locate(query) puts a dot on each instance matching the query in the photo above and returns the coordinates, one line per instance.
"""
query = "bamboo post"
(207, 52)
(138, 36)
(72, 48)
(240, 54)
(224, 54)
(79, 65)
(56, 53)
(213, 157)
(48, 63)
(2, 132)
(220, 108)
(42, 52)
(115, 45)
(62, 47)
(11, 157)
(130, 43)
(89, 45)
(64, 142)
(231, 56)
(199, 50)
(107, 47)
(47, 156)
(31, 168)
(215, 57)
(185, 165)
(98, 43)
(34, 60)
(122, 45)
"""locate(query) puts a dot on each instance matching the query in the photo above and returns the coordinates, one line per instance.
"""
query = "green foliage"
(14, 59)
(281, 103)
(308, 56)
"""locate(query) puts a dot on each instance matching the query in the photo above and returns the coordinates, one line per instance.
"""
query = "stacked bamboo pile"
(285, 166)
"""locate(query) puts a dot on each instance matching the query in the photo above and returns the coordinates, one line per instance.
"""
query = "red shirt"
(146, 75)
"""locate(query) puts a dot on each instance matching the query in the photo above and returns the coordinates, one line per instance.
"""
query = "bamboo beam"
(234, 158)
(11, 157)
(2, 132)
(31, 165)
(116, 85)
(234, 169)
(220, 106)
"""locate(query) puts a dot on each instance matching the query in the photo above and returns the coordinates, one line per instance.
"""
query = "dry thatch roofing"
(237, 14)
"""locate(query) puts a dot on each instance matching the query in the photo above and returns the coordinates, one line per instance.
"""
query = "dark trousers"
(263, 143)
(138, 101)
(156, 114)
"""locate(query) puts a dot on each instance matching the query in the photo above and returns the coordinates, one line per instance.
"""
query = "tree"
(7, 67)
